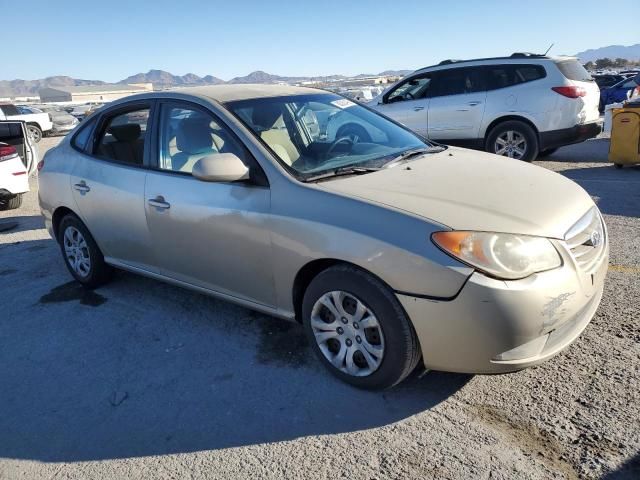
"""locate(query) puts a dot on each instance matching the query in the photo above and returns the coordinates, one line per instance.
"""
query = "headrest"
(265, 117)
(125, 133)
(194, 135)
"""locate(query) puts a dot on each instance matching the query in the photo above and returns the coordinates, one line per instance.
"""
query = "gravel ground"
(143, 380)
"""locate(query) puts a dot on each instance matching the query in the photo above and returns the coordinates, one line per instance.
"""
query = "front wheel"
(513, 139)
(81, 253)
(358, 328)
(35, 132)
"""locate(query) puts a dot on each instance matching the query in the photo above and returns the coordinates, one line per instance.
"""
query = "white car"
(18, 159)
(37, 123)
(522, 106)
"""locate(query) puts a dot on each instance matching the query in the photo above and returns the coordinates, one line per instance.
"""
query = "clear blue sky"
(110, 40)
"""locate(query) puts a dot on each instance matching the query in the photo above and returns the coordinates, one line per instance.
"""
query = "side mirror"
(221, 167)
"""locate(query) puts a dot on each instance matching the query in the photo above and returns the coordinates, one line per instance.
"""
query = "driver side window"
(412, 89)
(188, 134)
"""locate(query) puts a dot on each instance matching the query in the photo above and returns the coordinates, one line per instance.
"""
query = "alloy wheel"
(77, 251)
(347, 333)
(511, 144)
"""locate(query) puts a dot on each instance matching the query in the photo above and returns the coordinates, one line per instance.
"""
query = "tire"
(11, 203)
(618, 165)
(520, 130)
(547, 152)
(390, 333)
(98, 272)
(354, 131)
(35, 132)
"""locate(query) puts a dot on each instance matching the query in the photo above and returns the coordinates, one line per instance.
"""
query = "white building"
(92, 93)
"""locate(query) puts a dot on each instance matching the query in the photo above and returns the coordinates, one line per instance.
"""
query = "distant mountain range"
(160, 80)
(631, 52)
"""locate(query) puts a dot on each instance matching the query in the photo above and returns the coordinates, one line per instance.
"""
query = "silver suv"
(522, 106)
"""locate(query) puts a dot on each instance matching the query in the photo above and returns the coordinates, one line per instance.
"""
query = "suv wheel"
(11, 203)
(513, 139)
(358, 328)
(35, 132)
(81, 253)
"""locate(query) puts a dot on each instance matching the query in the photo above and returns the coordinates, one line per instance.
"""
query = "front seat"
(193, 140)
(268, 121)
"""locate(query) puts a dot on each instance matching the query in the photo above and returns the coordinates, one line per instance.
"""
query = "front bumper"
(568, 136)
(496, 326)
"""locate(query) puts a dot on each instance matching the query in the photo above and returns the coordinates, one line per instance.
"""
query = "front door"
(108, 186)
(408, 103)
(209, 234)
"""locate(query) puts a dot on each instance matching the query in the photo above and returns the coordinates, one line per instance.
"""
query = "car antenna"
(550, 47)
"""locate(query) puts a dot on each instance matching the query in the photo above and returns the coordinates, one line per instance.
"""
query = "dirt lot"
(141, 379)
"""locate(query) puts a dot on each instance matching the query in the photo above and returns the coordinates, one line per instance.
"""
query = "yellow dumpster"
(624, 148)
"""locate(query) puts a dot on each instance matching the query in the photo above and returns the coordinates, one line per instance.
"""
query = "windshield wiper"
(336, 172)
(414, 152)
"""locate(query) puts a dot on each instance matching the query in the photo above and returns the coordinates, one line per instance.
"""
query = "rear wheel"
(11, 203)
(513, 139)
(81, 253)
(358, 328)
(35, 132)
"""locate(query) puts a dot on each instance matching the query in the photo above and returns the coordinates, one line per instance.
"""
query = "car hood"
(470, 190)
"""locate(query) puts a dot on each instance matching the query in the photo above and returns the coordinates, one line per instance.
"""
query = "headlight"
(500, 255)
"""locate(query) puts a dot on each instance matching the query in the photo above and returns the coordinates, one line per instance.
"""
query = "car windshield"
(317, 134)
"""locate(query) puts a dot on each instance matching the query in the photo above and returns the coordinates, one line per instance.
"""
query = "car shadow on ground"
(24, 223)
(630, 470)
(140, 368)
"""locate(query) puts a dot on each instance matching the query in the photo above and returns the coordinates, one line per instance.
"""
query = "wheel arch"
(311, 270)
(57, 217)
(508, 118)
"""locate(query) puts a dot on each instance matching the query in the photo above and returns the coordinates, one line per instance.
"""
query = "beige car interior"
(123, 143)
(195, 137)
(269, 122)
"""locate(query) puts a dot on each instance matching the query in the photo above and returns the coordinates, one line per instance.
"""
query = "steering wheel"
(337, 142)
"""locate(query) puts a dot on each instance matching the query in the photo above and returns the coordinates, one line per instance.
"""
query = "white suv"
(522, 106)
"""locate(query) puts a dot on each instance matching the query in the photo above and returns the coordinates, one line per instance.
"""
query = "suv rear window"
(502, 76)
(573, 70)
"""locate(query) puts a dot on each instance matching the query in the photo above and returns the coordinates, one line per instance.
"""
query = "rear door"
(108, 183)
(458, 99)
(586, 109)
(408, 103)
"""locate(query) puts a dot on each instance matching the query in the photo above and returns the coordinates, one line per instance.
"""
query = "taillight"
(7, 151)
(570, 91)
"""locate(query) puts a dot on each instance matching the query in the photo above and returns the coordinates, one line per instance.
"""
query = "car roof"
(513, 58)
(231, 93)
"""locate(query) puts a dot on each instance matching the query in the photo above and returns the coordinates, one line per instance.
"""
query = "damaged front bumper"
(497, 326)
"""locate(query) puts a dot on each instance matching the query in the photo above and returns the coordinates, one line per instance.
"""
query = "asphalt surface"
(144, 380)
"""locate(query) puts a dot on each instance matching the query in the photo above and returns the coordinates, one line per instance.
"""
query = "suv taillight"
(7, 152)
(570, 92)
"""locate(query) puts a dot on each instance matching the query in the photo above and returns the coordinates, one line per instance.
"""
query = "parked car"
(391, 252)
(63, 122)
(18, 159)
(617, 93)
(522, 106)
(607, 80)
(82, 111)
(37, 123)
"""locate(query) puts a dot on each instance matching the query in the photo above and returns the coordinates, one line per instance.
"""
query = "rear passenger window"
(79, 141)
(502, 76)
(458, 81)
(122, 137)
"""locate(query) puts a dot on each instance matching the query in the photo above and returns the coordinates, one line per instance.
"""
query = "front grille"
(587, 239)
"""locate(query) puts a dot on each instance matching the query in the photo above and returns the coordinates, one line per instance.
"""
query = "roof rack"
(449, 61)
(527, 55)
(512, 56)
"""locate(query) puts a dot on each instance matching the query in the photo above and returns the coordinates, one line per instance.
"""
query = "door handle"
(417, 109)
(82, 187)
(159, 203)
(474, 103)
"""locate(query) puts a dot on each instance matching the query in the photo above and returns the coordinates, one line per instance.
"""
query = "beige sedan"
(391, 250)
